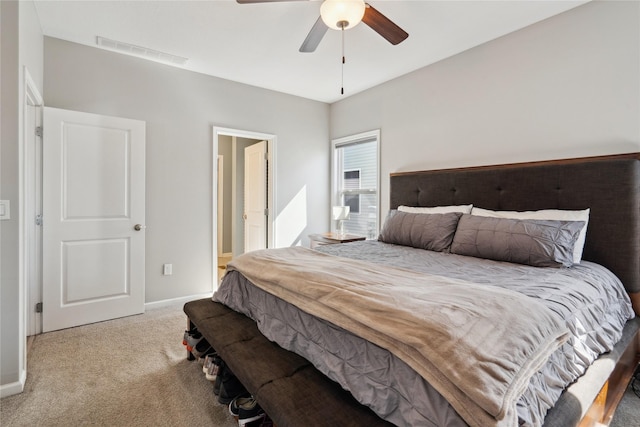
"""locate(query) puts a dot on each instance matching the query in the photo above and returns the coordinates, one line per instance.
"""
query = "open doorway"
(239, 224)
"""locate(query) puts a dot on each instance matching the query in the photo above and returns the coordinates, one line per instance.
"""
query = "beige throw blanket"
(477, 345)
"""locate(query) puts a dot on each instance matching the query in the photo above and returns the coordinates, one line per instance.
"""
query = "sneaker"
(214, 368)
(201, 349)
(235, 404)
(187, 334)
(267, 422)
(249, 412)
(193, 339)
(208, 360)
(259, 421)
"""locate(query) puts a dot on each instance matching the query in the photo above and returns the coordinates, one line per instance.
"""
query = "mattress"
(590, 298)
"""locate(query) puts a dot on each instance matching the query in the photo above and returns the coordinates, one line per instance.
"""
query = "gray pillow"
(541, 243)
(425, 231)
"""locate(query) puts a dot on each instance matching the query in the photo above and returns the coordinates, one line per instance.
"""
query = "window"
(355, 181)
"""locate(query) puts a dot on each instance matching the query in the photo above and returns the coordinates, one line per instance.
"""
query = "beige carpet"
(125, 372)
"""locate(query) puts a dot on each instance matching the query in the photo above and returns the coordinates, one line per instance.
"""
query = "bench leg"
(189, 327)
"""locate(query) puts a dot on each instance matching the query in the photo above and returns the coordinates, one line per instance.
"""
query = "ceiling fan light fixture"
(342, 14)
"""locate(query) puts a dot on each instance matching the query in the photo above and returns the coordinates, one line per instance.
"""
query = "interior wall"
(565, 87)
(9, 189)
(21, 47)
(180, 108)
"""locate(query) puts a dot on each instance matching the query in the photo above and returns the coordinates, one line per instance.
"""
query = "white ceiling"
(258, 44)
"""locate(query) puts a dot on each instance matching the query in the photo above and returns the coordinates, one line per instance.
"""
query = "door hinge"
(39, 131)
(39, 307)
(266, 212)
(39, 219)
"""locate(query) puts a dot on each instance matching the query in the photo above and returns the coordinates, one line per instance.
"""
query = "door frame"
(32, 163)
(271, 187)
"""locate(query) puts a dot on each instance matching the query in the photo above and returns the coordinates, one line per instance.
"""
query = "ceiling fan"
(343, 14)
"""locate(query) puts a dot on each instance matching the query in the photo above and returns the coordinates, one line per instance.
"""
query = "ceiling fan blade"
(383, 25)
(263, 1)
(315, 36)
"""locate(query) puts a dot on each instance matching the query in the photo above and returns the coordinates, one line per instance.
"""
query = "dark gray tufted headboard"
(608, 185)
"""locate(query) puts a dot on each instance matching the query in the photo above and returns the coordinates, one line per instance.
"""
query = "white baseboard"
(14, 387)
(174, 301)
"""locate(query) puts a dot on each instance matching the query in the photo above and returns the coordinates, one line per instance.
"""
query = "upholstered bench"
(288, 387)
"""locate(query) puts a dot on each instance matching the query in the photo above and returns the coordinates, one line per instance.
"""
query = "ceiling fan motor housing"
(342, 14)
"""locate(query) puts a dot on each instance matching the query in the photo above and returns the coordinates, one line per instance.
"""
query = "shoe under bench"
(288, 387)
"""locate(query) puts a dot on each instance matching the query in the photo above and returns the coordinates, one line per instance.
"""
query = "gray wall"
(180, 107)
(9, 191)
(565, 87)
(21, 46)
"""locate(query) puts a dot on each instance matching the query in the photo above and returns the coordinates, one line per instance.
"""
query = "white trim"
(174, 301)
(346, 140)
(271, 177)
(352, 139)
(33, 233)
(31, 97)
(16, 387)
(31, 90)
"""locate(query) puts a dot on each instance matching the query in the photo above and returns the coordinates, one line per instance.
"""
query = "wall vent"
(139, 51)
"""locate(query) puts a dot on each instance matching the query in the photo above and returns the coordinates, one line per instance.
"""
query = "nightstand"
(333, 238)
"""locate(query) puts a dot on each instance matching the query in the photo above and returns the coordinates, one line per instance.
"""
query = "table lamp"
(340, 213)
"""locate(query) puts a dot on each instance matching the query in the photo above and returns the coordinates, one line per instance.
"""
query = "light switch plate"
(167, 269)
(5, 209)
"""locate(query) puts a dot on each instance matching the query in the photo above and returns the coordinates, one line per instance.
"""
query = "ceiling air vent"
(139, 51)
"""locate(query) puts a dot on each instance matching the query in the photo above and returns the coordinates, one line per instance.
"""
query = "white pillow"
(548, 214)
(437, 209)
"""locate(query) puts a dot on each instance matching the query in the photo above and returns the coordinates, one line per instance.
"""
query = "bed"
(413, 373)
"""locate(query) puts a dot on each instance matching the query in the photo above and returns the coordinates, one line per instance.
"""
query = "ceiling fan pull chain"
(343, 61)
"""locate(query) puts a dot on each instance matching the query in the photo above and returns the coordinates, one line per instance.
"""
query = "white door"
(93, 218)
(255, 196)
(220, 209)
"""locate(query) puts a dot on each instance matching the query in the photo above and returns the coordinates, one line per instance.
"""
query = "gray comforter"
(591, 300)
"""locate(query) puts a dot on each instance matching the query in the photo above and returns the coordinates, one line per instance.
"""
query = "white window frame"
(373, 135)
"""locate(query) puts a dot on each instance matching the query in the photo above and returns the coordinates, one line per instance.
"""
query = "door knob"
(139, 227)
